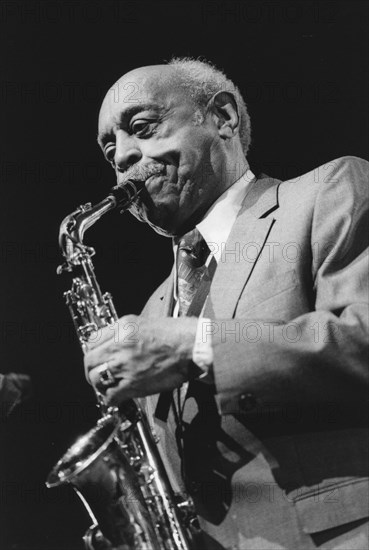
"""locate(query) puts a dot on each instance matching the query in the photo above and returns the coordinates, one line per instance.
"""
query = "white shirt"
(215, 227)
(217, 223)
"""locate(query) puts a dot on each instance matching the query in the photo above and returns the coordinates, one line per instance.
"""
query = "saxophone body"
(116, 468)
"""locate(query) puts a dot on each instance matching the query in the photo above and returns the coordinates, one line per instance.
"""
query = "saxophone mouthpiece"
(125, 195)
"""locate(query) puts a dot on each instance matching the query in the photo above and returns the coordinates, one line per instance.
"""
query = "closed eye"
(143, 128)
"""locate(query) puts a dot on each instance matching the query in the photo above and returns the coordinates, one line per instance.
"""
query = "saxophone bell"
(100, 473)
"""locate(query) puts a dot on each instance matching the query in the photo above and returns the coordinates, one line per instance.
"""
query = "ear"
(223, 106)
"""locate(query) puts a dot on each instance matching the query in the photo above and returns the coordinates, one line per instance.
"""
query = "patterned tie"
(191, 257)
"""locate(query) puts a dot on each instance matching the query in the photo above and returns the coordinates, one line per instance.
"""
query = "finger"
(120, 393)
(117, 362)
(101, 336)
(124, 331)
(97, 374)
(106, 375)
(105, 352)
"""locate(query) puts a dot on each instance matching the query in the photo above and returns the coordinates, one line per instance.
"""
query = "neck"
(234, 165)
(227, 174)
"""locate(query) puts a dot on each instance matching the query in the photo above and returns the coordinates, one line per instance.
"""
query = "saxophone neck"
(74, 226)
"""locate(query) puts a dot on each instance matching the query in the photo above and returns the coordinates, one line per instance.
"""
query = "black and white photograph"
(184, 326)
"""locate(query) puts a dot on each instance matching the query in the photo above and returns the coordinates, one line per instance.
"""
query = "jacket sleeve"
(14, 388)
(321, 355)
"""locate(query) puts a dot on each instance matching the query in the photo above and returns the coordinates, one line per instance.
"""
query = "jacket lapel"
(159, 305)
(166, 296)
(161, 302)
(243, 248)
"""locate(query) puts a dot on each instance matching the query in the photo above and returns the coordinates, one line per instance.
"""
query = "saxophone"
(116, 468)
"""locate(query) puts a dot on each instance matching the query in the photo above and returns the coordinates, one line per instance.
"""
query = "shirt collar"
(217, 223)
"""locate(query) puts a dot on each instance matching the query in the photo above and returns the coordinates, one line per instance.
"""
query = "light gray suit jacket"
(277, 451)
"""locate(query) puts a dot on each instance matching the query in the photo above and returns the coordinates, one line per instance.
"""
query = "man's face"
(149, 132)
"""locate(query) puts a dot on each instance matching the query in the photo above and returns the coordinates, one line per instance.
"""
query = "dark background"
(302, 67)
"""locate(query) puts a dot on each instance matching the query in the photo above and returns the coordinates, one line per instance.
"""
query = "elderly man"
(253, 352)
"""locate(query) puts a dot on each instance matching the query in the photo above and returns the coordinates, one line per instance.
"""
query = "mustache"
(142, 173)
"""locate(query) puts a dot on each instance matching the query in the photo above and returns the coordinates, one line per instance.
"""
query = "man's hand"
(145, 356)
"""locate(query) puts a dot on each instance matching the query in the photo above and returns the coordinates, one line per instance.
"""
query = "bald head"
(145, 84)
(148, 74)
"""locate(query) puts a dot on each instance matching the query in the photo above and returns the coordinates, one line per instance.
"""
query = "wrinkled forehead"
(146, 86)
(141, 84)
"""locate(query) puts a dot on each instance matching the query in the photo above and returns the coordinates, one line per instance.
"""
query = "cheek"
(186, 152)
(195, 155)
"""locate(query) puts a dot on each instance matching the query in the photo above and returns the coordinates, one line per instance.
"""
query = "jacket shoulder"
(347, 173)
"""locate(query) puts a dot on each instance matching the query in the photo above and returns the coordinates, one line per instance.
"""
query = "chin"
(164, 222)
(161, 217)
(161, 231)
